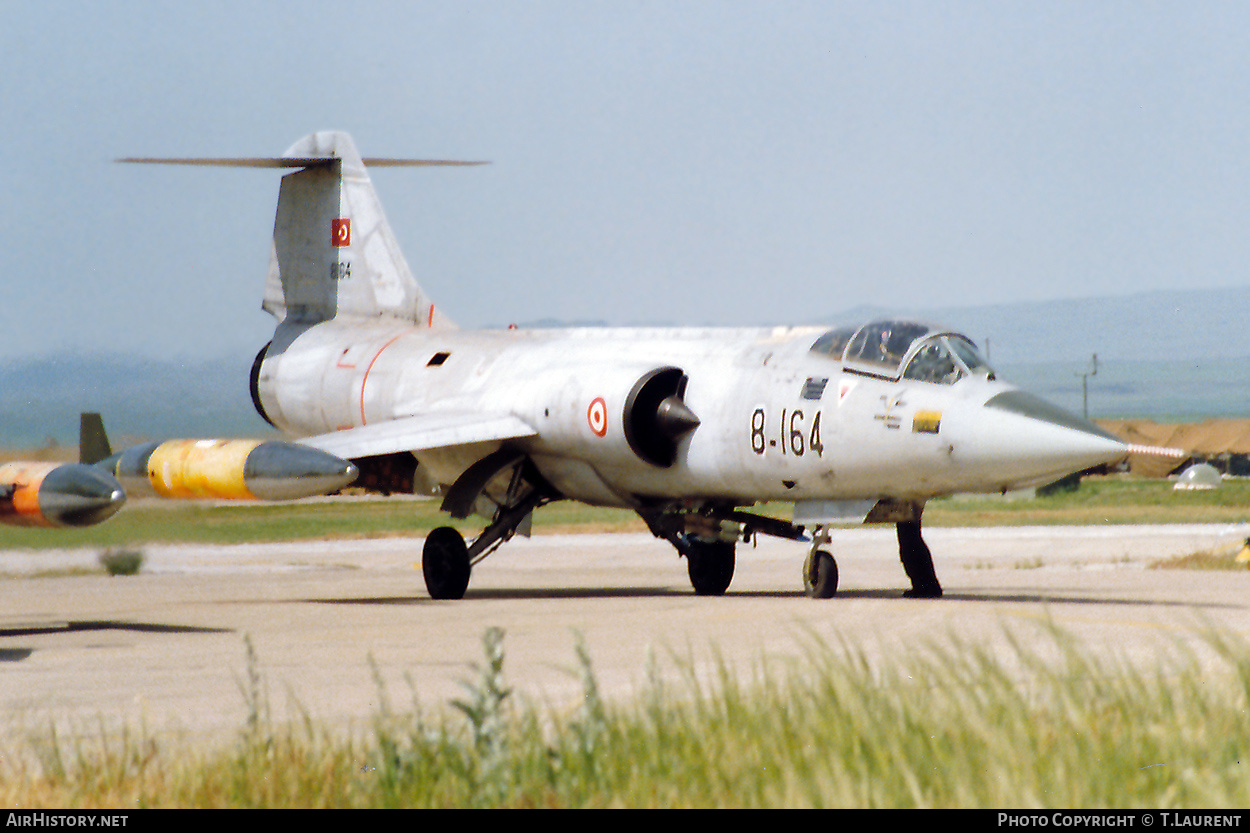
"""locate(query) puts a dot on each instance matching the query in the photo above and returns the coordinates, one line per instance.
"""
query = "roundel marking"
(597, 416)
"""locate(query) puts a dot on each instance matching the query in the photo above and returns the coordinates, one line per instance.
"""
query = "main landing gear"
(706, 541)
(445, 564)
(710, 565)
(705, 536)
(446, 560)
(917, 562)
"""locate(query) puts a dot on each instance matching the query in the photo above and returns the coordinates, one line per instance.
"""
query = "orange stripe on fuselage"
(365, 379)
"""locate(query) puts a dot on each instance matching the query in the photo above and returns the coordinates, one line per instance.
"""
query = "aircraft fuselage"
(777, 421)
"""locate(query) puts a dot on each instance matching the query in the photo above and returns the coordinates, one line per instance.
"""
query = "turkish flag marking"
(341, 232)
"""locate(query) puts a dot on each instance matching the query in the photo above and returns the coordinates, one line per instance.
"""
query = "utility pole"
(1093, 371)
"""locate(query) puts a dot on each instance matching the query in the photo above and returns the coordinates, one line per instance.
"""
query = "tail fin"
(93, 443)
(333, 252)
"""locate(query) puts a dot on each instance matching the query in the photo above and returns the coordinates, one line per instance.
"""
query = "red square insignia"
(341, 232)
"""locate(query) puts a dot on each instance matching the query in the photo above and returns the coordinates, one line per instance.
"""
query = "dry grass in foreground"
(951, 725)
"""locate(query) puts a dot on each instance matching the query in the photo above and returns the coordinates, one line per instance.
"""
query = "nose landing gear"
(820, 571)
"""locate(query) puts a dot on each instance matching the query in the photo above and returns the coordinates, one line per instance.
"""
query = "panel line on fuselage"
(365, 379)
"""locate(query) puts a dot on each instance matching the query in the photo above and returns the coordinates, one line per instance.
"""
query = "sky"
(723, 163)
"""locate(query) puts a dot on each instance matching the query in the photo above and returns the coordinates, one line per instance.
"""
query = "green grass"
(1043, 724)
(1113, 500)
(174, 521)
(158, 521)
(1101, 500)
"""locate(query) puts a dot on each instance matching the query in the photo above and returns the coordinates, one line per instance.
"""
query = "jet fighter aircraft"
(690, 428)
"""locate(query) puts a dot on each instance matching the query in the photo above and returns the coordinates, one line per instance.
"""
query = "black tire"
(445, 564)
(711, 566)
(820, 575)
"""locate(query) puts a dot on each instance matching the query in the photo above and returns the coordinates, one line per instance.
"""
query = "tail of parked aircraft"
(333, 251)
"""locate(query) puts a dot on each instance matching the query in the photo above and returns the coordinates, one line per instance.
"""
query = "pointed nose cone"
(78, 495)
(1040, 442)
(278, 470)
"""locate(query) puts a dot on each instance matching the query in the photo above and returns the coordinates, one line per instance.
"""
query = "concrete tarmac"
(336, 627)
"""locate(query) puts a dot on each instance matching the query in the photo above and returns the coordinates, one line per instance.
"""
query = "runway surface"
(167, 650)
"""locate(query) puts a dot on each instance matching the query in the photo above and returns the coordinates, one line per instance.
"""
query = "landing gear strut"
(917, 562)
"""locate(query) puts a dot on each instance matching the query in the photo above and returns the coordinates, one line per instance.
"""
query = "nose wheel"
(820, 571)
(820, 575)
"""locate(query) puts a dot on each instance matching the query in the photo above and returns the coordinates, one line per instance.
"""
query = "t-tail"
(334, 255)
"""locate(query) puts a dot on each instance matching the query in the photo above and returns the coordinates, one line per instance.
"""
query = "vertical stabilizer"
(334, 254)
(93, 442)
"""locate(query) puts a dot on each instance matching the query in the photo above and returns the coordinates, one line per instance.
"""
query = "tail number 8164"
(790, 434)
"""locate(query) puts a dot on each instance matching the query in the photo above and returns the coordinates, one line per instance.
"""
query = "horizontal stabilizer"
(334, 254)
(418, 433)
(292, 162)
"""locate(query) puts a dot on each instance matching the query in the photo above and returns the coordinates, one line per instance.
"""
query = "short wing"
(418, 433)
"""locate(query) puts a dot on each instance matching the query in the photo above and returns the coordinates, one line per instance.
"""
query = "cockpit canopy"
(904, 349)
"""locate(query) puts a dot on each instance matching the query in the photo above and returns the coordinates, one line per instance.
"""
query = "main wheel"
(820, 575)
(711, 566)
(445, 564)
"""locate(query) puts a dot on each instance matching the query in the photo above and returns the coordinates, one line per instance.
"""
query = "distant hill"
(1163, 325)
(140, 398)
(1166, 355)
(1177, 390)
(1163, 355)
